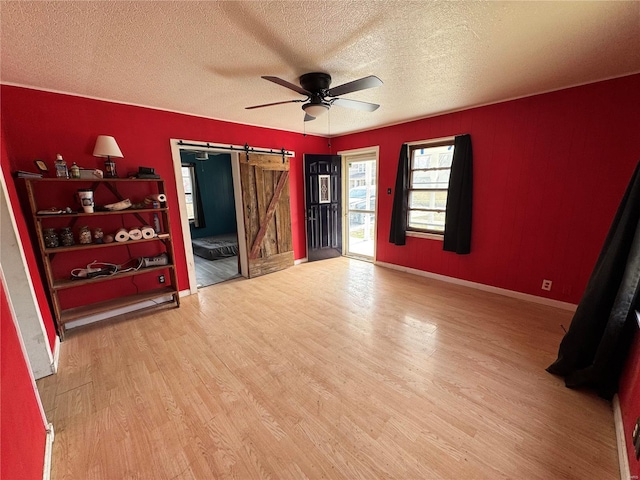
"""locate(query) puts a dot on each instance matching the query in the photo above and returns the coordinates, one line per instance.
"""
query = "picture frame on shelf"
(42, 167)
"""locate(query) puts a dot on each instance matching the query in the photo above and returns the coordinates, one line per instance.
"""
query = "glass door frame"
(348, 156)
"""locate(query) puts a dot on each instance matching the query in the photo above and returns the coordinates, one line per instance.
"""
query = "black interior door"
(323, 202)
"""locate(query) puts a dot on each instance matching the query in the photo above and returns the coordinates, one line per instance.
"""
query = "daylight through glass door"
(360, 208)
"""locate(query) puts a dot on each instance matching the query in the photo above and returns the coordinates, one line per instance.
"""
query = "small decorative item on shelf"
(86, 199)
(61, 167)
(121, 205)
(108, 238)
(74, 170)
(84, 235)
(156, 223)
(66, 237)
(42, 167)
(98, 235)
(51, 239)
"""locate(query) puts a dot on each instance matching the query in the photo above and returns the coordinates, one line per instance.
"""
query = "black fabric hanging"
(593, 351)
(398, 233)
(457, 226)
(196, 197)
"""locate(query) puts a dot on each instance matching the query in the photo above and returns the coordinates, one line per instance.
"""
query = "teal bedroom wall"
(215, 185)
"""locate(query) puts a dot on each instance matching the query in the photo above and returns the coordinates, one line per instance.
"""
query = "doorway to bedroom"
(209, 196)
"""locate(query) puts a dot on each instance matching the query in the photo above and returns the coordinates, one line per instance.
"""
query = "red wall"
(549, 173)
(22, 430)
(29, 253)
(40, 124)
(630, 402)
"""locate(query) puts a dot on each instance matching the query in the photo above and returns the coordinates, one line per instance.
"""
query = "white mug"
(86, 200)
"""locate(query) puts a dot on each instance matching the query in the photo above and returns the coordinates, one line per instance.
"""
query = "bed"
(213, 248)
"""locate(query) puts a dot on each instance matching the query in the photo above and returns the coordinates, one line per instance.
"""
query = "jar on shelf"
(74, 171)
(84, 235)
(51, 239)
(66, 237)
(98, 235)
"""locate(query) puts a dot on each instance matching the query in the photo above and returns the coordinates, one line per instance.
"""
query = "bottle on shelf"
(61, 167)
(74, 170)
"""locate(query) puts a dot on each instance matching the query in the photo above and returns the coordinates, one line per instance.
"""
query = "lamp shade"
(107, 146)
(315, 109)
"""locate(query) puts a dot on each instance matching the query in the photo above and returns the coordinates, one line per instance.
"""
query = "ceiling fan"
(315, 86)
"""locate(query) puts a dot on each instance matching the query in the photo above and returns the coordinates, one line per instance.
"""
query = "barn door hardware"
(246, 148)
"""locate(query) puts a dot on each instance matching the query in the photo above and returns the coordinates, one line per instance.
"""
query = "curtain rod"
(239, 148)
(433, 140)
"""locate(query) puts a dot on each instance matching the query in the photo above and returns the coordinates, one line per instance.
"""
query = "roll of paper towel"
(147, 232)
(157, 197)
(122, 235)
(135, 234)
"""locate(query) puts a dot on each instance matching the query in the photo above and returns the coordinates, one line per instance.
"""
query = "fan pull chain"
(329, 130)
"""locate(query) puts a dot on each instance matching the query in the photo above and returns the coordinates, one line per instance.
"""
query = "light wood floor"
(335, 369)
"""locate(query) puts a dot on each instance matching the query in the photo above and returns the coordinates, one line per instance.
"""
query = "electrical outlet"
(161, 278)
(546, 285)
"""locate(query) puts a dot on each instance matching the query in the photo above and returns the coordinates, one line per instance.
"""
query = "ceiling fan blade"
(355, 104)
(308, 118)
(274, 103)
(288, 85)
(361, 84)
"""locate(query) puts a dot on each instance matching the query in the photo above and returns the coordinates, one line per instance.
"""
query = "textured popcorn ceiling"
(206, 58)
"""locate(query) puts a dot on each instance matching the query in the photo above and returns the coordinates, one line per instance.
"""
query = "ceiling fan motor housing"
(315, 82)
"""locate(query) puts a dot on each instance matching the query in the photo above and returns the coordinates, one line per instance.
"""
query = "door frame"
(235, 151)
(375, 150)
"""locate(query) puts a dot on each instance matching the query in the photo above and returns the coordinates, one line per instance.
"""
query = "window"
(430, 167)
(190, 192)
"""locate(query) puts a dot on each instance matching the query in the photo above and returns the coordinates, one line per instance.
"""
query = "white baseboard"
(623, 460)
(300, 260)
(480, 286)
(120, 311)
(185, 293)
(48, 450)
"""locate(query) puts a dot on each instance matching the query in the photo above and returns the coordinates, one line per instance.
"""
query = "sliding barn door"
(267, 217)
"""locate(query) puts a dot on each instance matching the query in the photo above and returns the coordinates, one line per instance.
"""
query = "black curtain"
(398, 231)
(457, 227)
(593, 351)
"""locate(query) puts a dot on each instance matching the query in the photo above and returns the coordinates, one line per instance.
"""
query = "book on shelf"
(24, 174)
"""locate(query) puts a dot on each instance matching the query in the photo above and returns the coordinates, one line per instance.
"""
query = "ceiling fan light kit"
(320, 98)
(315, 110)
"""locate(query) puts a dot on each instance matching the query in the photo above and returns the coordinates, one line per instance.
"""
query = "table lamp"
(106, 146)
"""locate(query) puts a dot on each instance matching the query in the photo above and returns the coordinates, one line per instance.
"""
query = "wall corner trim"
(481, 286)
(56, 355)
(48, 450)
(625, 473)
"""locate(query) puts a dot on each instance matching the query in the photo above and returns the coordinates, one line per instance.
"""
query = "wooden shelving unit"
(36, 187)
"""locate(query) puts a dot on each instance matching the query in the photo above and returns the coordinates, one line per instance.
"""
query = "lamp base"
(110, 168)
